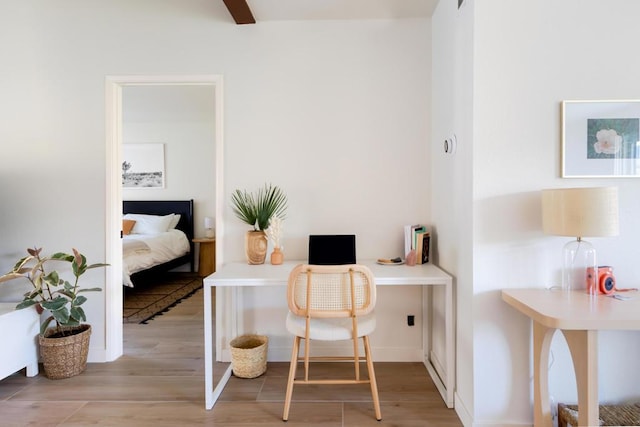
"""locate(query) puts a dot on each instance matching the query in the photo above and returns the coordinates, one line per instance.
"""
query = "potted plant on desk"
(63, 347)
(257, 210)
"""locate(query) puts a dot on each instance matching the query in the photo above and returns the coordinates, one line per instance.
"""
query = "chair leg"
(372, 378)
(356, 357)
(292, 376)
(306, 358)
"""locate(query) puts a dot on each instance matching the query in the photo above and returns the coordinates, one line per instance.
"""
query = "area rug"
(157, 294)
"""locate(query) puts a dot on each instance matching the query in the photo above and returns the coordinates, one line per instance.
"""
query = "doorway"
(114, 194)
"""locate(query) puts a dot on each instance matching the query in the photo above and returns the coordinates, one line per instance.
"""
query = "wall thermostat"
(450, 145)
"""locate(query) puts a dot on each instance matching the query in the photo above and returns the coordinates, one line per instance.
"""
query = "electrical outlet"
(411, 320)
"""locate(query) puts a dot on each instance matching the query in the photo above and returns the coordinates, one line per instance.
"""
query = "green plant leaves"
(51, 292)
(77, 313)
(55, 304)
(257, 209)
(26, 303)
(89, 290)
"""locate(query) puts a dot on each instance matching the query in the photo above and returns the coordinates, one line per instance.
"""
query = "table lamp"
(579, 212)
(209, 232)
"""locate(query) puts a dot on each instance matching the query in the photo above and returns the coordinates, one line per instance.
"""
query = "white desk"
(579, 317)
(240, 274)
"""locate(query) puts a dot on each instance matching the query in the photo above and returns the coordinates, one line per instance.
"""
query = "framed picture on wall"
(142, 166)
(600, 139)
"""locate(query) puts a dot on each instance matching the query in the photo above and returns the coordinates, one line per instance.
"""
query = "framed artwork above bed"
(143, 166)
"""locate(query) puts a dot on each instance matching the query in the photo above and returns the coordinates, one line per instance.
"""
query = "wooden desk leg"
(584, 353)
(541, 344)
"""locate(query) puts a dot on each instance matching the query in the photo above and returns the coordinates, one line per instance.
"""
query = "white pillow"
(174, 221)
(150, 224)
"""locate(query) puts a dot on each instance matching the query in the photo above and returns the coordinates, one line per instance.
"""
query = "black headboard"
(165, 207)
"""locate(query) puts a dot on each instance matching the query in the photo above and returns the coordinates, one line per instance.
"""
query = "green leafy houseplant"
(258, 209)
(60, 297)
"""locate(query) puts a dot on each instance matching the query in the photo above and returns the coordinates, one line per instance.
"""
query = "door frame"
(113, 182)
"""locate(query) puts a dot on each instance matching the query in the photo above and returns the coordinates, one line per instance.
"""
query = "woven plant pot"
(249, 355)
(66, 356)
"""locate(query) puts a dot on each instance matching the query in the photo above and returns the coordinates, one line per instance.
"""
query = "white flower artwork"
(600, 139)
(608, 141)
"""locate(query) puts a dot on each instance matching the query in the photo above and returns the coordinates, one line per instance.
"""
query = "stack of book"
(416, 238)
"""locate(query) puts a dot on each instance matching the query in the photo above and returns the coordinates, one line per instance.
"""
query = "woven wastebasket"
(65, 357)
(249, 355)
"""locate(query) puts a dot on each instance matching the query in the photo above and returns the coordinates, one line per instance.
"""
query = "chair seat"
(331, 329)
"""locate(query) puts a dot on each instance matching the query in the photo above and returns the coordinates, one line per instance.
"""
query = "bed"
(160, 238)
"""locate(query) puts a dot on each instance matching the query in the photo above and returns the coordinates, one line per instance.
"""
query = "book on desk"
(417, 238)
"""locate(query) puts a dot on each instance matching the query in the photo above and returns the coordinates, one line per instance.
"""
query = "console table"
(579, 316)
(240, 274)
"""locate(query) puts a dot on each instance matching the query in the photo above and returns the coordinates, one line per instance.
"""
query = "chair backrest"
(331, 290)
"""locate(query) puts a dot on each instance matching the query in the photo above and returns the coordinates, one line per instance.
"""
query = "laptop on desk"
(332, 249)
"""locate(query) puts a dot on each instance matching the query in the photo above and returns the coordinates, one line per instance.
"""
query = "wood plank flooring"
(159, 381)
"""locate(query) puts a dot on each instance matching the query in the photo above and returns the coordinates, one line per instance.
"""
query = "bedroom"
(177, 124)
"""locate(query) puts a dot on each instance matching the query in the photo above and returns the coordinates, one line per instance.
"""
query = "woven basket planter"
(610, 415)
(66, 356)
(249, 355)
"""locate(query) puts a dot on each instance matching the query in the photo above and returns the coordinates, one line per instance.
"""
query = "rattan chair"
(331, 303)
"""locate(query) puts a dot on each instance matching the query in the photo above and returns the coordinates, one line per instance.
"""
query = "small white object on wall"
(450, 145)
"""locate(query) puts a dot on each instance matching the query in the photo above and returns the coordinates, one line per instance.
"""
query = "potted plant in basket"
(64, 346)
(257, 210)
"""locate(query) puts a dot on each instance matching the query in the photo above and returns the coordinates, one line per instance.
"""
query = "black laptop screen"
(332, 249)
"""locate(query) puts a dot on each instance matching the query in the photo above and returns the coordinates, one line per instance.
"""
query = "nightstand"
(207, 260)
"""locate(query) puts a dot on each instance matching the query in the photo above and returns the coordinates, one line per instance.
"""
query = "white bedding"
(162, 247)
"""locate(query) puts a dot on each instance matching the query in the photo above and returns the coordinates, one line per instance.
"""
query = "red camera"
(604, 283)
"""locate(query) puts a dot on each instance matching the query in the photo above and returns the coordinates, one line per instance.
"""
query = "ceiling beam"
(240, 11)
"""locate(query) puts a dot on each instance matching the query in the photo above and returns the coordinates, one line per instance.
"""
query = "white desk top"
(243, 274)
(576, 309)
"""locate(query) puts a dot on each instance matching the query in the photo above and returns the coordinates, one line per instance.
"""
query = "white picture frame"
(143, 166)
(600, 139)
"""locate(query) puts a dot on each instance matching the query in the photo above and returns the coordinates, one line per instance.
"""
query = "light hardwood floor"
(159, 381)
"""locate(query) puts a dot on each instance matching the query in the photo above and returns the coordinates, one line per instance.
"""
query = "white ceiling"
(279, 10)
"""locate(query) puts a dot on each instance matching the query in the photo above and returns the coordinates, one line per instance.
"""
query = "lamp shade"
(580, 212)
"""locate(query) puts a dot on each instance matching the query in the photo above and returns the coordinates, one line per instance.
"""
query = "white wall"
(336, 113)
(182, 118)
(528, 57)
(452, 208)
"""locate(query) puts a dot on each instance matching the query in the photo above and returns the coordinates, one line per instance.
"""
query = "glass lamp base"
(578, 257)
